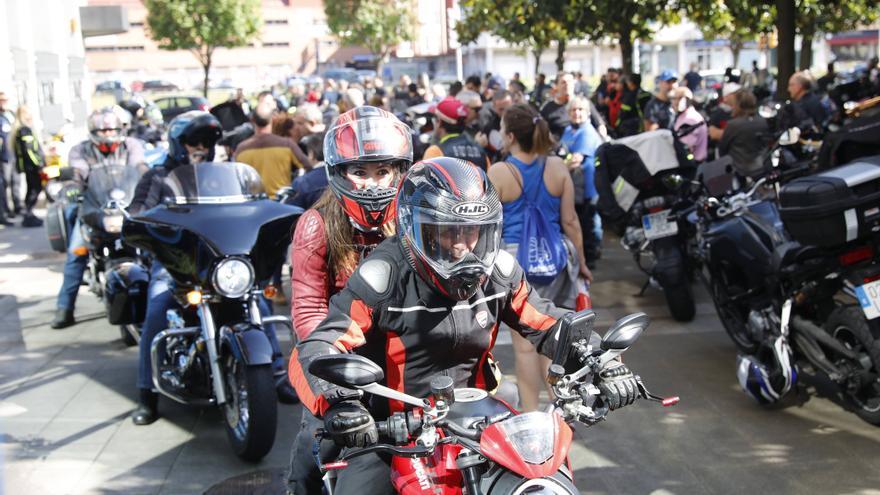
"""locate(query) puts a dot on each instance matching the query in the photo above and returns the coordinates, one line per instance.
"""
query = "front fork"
(209, 332)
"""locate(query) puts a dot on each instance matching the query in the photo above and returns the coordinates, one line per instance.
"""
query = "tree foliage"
(628, 20)
(738, 21)
(201, 26)
(378, 25)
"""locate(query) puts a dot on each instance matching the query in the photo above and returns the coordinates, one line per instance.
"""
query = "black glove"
(618, 386)
(350, 424)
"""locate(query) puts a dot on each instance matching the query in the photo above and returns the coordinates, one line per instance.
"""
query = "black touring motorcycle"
(220, 239)
(795, 280)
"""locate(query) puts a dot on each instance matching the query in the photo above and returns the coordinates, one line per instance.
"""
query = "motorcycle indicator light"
(270, 291)
(671, 401)
(194, 297)
(80, 251)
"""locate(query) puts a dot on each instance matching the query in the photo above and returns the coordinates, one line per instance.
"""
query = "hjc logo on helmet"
(471, 209)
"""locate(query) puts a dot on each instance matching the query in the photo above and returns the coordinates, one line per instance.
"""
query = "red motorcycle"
(467, 441)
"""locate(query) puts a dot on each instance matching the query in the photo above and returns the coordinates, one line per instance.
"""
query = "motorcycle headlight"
(112, 223)
(532, 435)
(233, 277)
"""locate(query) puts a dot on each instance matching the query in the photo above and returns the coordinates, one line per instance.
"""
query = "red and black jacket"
(389, 315)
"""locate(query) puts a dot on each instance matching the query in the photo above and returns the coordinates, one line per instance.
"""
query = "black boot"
(63, 318)
(147, 411)
(285, 391)
(30, 220)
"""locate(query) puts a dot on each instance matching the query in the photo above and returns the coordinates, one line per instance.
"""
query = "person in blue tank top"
(526, 137)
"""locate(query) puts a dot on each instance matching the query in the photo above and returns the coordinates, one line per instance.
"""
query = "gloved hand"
(618, 386)
(350, 424)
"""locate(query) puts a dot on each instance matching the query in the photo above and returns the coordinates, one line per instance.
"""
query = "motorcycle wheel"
(680, 300)
(848, 325)
(126, 332)
(509, 482)
(251, 409)
(733, 317)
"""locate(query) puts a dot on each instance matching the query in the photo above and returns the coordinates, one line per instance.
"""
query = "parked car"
(109, 87)
(349, 75)
(158, 85)
(172, 106)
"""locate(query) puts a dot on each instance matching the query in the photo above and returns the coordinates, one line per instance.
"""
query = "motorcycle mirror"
(625, 332)
(346, 370)
(790, 136)
(65, 173)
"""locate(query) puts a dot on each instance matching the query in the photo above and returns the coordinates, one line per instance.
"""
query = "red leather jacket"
(311, 287)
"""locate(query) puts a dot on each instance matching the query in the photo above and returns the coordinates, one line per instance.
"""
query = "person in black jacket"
(427, 302)
(29, 160)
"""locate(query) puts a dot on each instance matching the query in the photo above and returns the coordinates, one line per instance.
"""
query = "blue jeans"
(160, 298)
(74, 266)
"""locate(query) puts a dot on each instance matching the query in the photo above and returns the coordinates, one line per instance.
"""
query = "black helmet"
(449, 221)
(192, 128)
(366, 135)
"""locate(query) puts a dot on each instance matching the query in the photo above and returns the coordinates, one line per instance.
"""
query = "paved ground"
(65, 397)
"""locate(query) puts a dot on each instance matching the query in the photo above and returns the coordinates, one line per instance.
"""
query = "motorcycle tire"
(733, 317)
(680, 300)
(251, 409)
(507, 482)
(125, 331)
(849, 325)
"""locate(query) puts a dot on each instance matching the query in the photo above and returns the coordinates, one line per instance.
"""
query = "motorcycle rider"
(337, 233)
(426, 302)
(192, 137)
(107, 145)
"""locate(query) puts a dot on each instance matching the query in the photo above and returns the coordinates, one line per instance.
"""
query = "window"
(76, 85)
(46, 93)
(276, 44)
(276, 22)
(136, 24)
(132, 48)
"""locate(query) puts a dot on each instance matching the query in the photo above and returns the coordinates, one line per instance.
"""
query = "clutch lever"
(664, 401)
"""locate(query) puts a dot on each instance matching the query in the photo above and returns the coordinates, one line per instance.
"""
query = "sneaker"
(31, 221)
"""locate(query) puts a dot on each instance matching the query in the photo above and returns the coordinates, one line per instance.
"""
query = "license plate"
(657, 225)
(869, 298)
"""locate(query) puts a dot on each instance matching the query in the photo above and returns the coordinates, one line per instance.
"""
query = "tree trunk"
(626, 52)
(560, 55)
(785, 26)
(206, 64)
(736, 48)
(806, 59)
(536, 52)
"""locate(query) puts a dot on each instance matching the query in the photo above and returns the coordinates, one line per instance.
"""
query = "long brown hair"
(342, 254)
(531, 131)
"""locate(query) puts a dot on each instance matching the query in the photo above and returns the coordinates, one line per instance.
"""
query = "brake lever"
(664, 401)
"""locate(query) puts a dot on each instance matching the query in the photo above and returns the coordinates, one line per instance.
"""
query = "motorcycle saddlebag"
(56, 227)
(126, 294)
(834, 207)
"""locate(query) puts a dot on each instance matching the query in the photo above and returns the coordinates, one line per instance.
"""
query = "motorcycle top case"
(834, 207)
(56, 227)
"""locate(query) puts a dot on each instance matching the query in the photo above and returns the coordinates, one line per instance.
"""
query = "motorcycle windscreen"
(213, 183)
(108, 183)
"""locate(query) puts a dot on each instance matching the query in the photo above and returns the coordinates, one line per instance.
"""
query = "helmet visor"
(450, 247)
(368, 139)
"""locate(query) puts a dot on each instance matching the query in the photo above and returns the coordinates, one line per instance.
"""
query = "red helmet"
(366, 135)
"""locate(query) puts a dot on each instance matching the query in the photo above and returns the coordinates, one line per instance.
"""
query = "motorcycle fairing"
(495, 445)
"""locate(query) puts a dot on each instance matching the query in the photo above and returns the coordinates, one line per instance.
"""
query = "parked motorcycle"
(793, 283)
(632, 195)
(220, 240)
(463, 440)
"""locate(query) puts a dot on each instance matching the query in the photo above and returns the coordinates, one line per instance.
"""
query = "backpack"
(541, 251)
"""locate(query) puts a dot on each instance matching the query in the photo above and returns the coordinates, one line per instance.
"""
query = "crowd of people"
(347, 151)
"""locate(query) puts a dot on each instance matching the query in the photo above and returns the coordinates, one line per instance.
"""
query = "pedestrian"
(723, 112)
(450, 116)
(739, 136)
(489, 135)
(692, 78)
(697, 138)
(531, 176)
(11, 181)
(633, 99)
(273, 157)
(308, 188)
(581, 86)
(30, 161)
(555, 111)
(658, 111)
(539, 92)
(579, 142)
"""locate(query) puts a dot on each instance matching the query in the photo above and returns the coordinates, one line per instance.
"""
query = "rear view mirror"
(767, 111)
(625, 332)
(346, 370)
(790, 136)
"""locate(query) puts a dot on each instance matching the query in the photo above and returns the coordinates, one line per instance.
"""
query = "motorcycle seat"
(791, 253)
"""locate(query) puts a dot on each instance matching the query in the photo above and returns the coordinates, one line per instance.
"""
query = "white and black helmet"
(449, 219)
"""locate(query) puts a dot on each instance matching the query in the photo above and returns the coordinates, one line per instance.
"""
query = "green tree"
(378, 25)
(830, 16)
(626, 21)
(201, 26)
(738, 21)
